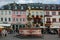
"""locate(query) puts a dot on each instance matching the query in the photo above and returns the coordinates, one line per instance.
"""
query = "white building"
(6, 16)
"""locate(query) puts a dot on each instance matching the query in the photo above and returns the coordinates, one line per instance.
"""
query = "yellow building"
(36, 12)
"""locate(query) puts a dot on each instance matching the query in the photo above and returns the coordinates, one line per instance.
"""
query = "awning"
(1, 27)
(5, 24)
(43, 27)
(55, 27)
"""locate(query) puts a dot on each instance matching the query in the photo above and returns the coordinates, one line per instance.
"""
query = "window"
(5, 12)
(16, 19)
(40, 7)
(21, 13)
(2, 7)
(53, 13)
(5, 19)
(58, 7)
(37, 13)
(32, 13)
(20, 19)
(9, 7)
(23, 19)
(23, 26)
(48, 19)
(2, 12)
(20, 26)
(9, 12)
(47, 13)
(15, 7)
(59, 19)
(13, 19)
(1, 19)
(46, 7)
(16, 12)
(9, 19)
(37, 7)
(54, 20)
(32, 7)
(52, 7)
(21, 7)
(58, 13)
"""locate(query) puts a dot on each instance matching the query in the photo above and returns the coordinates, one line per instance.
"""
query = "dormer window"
(52, 7)
(40, 7)
(32, 7)
(2, 7)
(59, 7)
(46, 7)
(36, 7)
(19, 5)
(15, 7)
(22, 8)
(9, 7)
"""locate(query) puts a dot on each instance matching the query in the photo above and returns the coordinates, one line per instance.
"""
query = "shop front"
(16, 27)
(54, 29)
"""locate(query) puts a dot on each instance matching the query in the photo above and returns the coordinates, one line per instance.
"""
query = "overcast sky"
(3, 2)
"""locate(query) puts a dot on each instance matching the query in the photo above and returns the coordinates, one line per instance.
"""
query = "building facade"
(6, 16)
(14, 14)
(52, 18)
(42, 14)
(37, 13)
(52, 15)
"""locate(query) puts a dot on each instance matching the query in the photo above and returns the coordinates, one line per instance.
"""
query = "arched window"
(1, 19)
(9, 19)
(5, 19)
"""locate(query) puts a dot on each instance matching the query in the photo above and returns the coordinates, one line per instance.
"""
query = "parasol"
(1, 27)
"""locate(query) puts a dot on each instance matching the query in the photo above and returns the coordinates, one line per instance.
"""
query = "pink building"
(19, 18)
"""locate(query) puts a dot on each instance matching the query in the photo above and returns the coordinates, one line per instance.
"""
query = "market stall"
(30, 32)
(55, 29)
(1, 28)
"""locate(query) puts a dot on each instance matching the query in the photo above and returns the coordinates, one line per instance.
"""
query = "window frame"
(47, 13)
(1, 19)
(53, 19)
(54, 13)
(58, 13)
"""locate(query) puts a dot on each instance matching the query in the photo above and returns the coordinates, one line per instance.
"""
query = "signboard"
(30, 31)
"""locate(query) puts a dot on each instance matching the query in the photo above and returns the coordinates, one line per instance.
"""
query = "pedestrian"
(4, 33)
(59, 32)
(0, 32)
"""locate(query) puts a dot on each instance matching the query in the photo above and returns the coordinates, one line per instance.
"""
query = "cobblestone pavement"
(46, 37)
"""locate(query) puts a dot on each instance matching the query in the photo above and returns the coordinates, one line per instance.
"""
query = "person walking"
(4, 33)
(0, 32)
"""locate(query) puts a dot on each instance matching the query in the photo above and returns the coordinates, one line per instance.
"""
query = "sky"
(3, 2)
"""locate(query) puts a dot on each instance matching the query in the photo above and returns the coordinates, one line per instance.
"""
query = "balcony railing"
(48, 15)
(48, 21)
(37, 16)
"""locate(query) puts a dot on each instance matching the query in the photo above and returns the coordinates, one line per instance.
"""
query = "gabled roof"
(33, 6)
(14, 6)
(36, 6)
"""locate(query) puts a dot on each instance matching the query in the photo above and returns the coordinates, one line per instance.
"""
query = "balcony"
(48, 15)
(48, 23)
(38, 22)
(37, 16)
